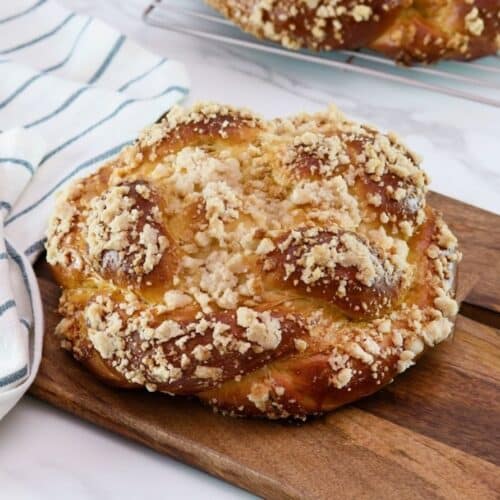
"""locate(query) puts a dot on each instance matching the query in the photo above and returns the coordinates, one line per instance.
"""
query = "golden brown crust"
(406, 30)
(277, 268)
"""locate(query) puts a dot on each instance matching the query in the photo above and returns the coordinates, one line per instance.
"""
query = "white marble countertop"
(45, 453)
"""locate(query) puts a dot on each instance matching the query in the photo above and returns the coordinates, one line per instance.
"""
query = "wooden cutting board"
(433, 433)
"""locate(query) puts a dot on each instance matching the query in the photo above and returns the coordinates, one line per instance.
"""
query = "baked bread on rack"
(406, 30)
(273, 268)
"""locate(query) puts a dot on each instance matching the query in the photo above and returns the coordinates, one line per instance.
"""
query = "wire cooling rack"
(477, 81)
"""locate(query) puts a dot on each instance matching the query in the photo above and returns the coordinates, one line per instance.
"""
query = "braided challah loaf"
(278, 268)
(406, 30)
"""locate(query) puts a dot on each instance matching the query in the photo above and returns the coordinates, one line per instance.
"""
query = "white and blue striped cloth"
(73, 92)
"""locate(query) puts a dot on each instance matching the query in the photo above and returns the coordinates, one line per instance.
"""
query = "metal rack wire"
(477, 81)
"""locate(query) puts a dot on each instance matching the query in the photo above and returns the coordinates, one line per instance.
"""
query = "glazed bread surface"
(406, 30)
(273, 268)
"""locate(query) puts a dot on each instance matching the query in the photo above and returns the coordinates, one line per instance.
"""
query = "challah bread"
(274, 268)
(405, 30)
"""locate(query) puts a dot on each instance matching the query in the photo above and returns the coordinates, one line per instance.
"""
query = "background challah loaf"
(406, 30)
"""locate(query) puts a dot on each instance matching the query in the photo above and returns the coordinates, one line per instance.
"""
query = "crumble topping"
(261, 328)
(329, 200)
(259, 396)
(473, 22)
(175, 299)
(342, 378)
(60, 226)
(324, 257)
(114, 229)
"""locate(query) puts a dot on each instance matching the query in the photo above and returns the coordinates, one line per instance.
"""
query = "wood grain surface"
(433, 433)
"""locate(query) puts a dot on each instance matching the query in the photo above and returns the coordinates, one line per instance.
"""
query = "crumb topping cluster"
(120, 235)
(118, 330)
(221, 243)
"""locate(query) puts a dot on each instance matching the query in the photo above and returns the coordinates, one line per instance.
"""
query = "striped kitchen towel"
(73, 92)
